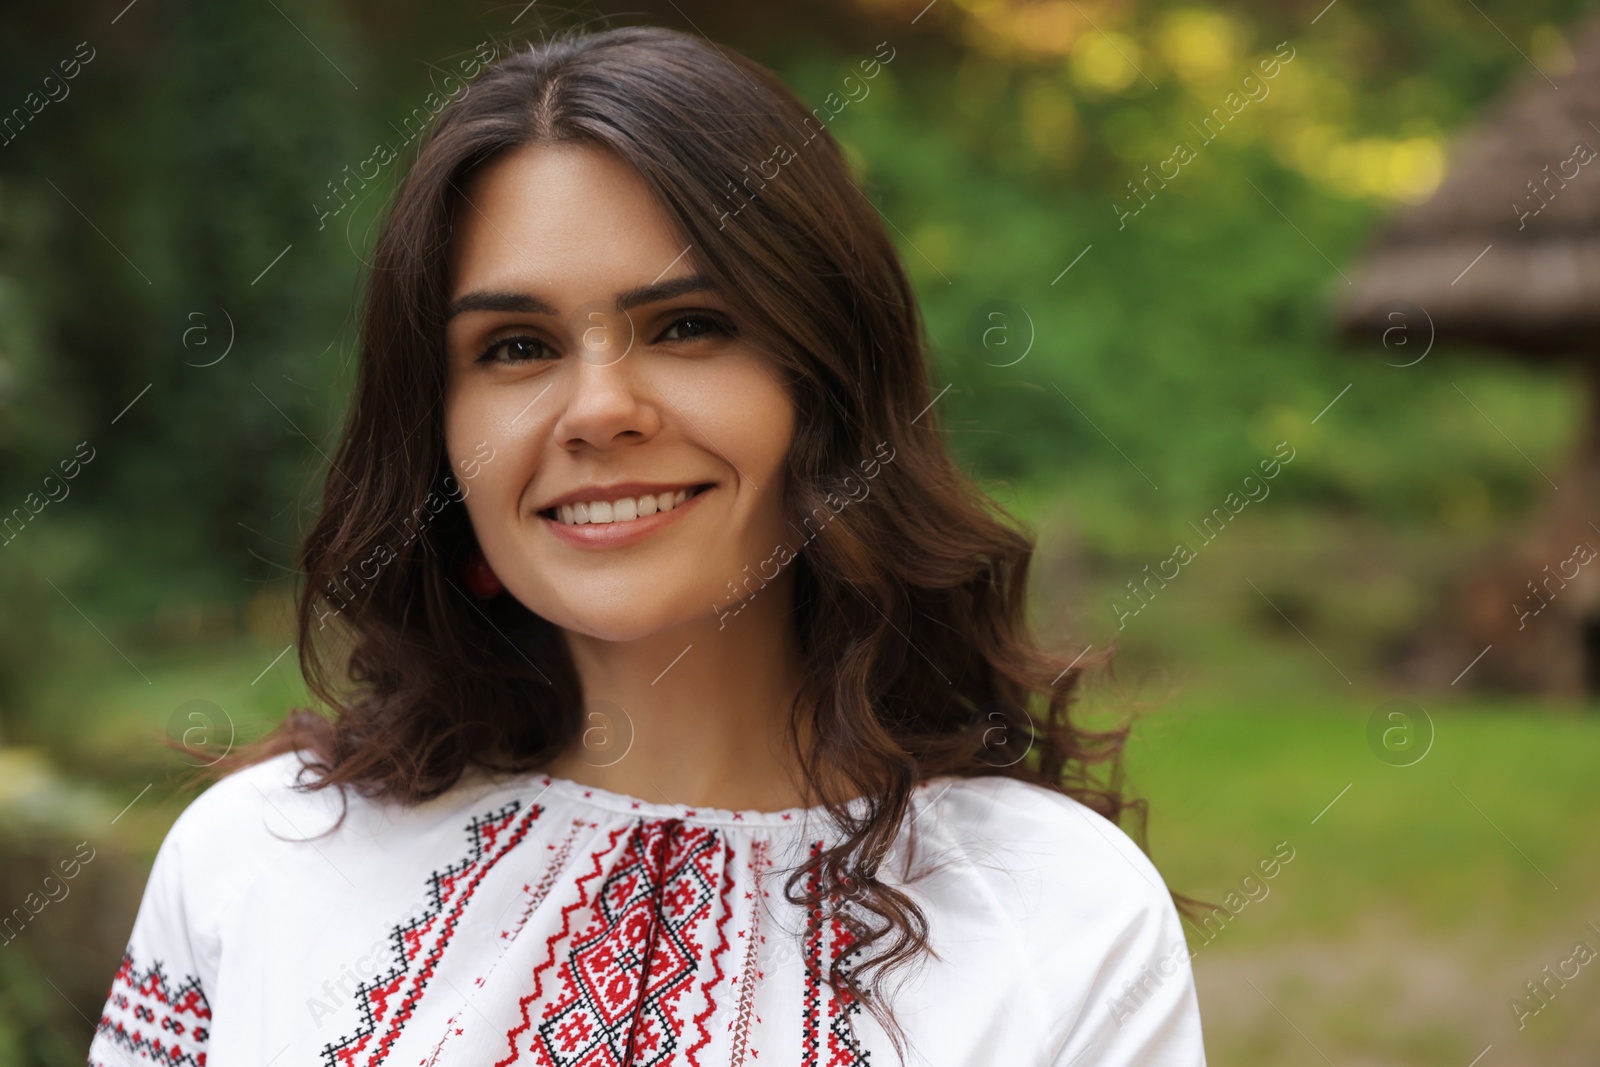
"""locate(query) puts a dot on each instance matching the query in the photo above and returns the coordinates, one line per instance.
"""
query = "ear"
(480, 579)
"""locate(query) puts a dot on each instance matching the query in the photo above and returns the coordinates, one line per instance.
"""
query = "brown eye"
(515, 350)
(690, 327)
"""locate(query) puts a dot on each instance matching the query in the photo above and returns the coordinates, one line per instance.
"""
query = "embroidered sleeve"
(156, 1010)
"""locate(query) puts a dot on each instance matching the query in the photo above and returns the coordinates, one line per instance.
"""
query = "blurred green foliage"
(166, 207)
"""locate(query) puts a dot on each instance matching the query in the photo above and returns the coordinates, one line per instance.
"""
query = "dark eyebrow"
(488, 300)
(650, 294)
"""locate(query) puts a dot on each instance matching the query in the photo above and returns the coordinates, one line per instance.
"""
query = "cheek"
(749, 419)
(483, 423)
(754, 414)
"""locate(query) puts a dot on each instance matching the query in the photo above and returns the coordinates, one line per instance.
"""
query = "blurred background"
(1275, 322)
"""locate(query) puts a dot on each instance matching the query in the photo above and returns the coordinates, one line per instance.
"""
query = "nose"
(607, 402)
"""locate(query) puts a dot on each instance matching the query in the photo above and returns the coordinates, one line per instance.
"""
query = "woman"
(682, 684)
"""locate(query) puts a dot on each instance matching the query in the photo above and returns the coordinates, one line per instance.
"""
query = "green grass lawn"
(1503, 809)
(1416, 906)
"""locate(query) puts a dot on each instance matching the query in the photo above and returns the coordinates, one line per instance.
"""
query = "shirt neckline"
(621, 803)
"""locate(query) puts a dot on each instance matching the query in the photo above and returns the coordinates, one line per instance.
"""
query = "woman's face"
(593, 377)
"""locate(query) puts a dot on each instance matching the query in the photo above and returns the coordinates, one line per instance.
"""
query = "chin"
(627, 619)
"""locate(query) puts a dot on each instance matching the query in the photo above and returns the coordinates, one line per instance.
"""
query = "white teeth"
(624, 510)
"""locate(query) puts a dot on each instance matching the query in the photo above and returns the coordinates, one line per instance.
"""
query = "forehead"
(564, 219)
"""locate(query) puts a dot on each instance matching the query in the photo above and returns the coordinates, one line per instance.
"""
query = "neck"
(697, 714)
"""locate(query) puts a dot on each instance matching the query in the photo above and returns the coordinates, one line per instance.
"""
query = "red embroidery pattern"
(628, 968)
(386, 1001)
(547, 881)
(715, 978)
(842, 1049)
(536, 894)
(143, 1015)
(747, 979)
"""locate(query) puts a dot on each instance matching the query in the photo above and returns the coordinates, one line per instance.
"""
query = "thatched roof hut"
(1506, 253)
(1524, 195)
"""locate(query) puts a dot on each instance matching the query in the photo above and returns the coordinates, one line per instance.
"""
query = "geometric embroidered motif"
(842, 1049)
(625, 972)
(163, 1025)
(535, 894)
(748, 975)
(387, 1001)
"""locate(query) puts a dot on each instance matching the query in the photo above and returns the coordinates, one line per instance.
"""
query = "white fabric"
(467, 931)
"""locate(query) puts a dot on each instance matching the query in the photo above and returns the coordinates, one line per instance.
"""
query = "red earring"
(480, 578)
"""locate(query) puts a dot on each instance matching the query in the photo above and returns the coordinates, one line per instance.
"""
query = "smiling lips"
(610, 520)
(622, 509)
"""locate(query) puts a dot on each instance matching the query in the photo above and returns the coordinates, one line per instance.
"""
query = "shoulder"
(218, 843)
(266, 834)
(273, 820)
(1044, 841)
(240, 809)
(277, 806)
(237, 829)
(1088, 927)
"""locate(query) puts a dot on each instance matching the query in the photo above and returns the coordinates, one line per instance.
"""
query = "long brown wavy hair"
(911, 604)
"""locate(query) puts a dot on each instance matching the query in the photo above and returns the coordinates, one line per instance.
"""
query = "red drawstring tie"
(657, 887)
